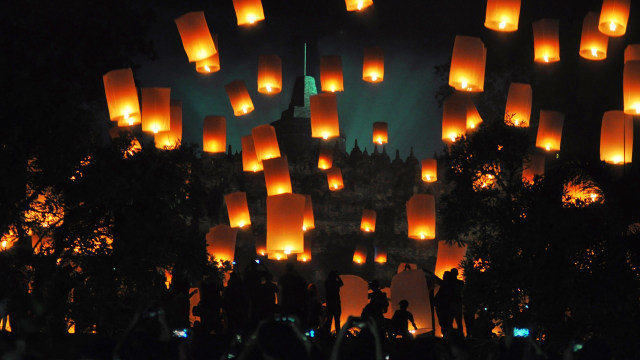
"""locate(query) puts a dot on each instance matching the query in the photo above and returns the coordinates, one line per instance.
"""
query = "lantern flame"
(380, 141)
(464, 84)
(594, 52)
(360, 6)
(251, 18)
(325, 136)
(422, 236)
(304, 228)
(502, 25)
(612, 26)
(548, 147)
(428, 177)
(546, 58)
(241, 224)
(637, 107)
(287, 251)
(244, 109)
(374, 77)
(268, 88)
(207, 68)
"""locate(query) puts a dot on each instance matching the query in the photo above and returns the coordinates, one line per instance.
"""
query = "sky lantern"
(331, 73)
(276, 176)
(172, 138)
(468, 64)
(238, 209)
(358, 5)
(325, 158)
(239, 97)
(380, 255)
(221, 242)
(212, 63)
(593, 43)
(632, 53)
(421, 217)
(261, 246)
(631, 87)
(277, 255)
(309, 221)
(532, 167)
(122, 97)
(502, 15)
(305, 256)
(429, 170)
(616, 138)
(614, 16)
(269, 74)
(360, 254)
(285, 216)
(368, 222)
(473, 116)
(410, 285)
(546, 41)
(449, 256)
(250, 162)
(214, 134)
(334, 178)
(324, 116)
(380, 132)
(373, 65)
(550, 130)
(248, 12)
(265, 142)
(156, 109)
(196, 37)
(454, 118)
(518, 109)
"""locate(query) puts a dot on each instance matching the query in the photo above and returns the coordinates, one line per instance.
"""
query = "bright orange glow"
(429, 170)
(593, 43)
(614, 16)
(616, 138)
(533, 167)
(360, 254)
(502, 15)
(325, 158)
(454, 118)
(309, 220)
(285, 217)
(122, 97)
(250, 160)
(631, 87)
(468, 64)
(581, 193)
(334, 178)
(421, 217)
(214, 134)
(221, 242)
(237, 209)
(518, 108)
(331, 73)
(265, 142)
(212, 63)
(368, 222)
(550, 130)
(269, 74)
(248, 12)
(171, 139)
(358, 5)
(380, 255)
(373, 65)
(324, 116)
(276, 176)
(449, 256)
(156, 109)
(380, 132)
(195, 35)
(239, 97)
(546, 41)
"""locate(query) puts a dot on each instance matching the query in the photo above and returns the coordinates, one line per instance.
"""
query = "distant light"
(268, 88)
(548, 147)
(594, 52)
(502, 25)
(464, 84)
(207, 68)
(546, 58)
(612, 26)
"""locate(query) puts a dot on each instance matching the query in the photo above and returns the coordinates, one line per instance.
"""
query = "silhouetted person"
(315, 315)
(293, 292)
(377, 306)
(264, 304)
(210, 303)
(456, 299)
(443, 301)
(235, 304)
(400, 320)
(333, 308)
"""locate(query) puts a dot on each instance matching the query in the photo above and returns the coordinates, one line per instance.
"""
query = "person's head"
(454, 272)
(404, 304)
(374, 285)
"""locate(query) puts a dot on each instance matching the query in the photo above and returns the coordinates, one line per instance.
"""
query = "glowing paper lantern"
(631, 87)
(429, 170)
(468, 64)
(368, 222)
(454, 118)
(250, 160)
(305, 256)
(518, 109)
(449, 257)
(122, 97)
(172, 138)
(276, 176)
(334, 178)
(360, 254)
(532, 167)
(632, 53)
(411, 285)
(380, 133)
(324, 116)
(278, 256)
(248, 12)
(373, 65)
(614, 17)
(353, 296)
(421, 217)
(550, 130)
(325, 158)
(221, 242)
(473, 116)
(195, 35)
(502, 15)
(269, 74)
(331, 73)
(265, 142)
(156, 109)
(261, 246)
(381, 255)
(358, 5)
(238, 209)
(212, 63)
(309, 221)
(593, 43)
(285, 216)
(214, 134)
(616, 138)
(546, 41)
(239, 97)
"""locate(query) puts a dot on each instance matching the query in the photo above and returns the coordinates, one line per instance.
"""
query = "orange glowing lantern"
(421, 217)
(380, 133)
(278, 256)
(239, 97)
(454, 118)
(380, 255)
(449, 257)
(532, 168)
(331, 73)
(473, 116)
(214, 134)
(250, 160)
(373, 65)
(593, 43)
(172, 138)
(212, 63)
(122, 97)
(221, 242)
(631, 87)
(358, 5)
(632, 53)
(305, 256)
(265, 142)
(325, 158)
(276, 176)
(195, 35)
(261, 246)
(324, 116)
(334, 178)
(550, 130)
(502, 15)
(546, 41)
(581, 192)
(156, 109)
(248, 12)
(616, 138)
(285, 216)
(429, 170)
(269, 74)
(309, 221)
(614, 17)
(360, 254)
(368, 222)
(237, 209)
(518, 109)
(468, 64)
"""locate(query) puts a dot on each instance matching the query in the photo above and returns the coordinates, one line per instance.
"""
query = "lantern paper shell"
(309, 221)
(468, 64)
(632, 52)
(616, 138)
(360, 254)
(334, 178)
(285, 216)
(239, 97)
(156, 109)
(221, 242)
(331, 73)
(325, 158)
(380, 255)
(238, 209)
(449, 257)
(278, 256)
(593, 43)
(212, 63)
(473, 116)
(276, 176)
(454, 118)
(368, 222)
(380, 133)
(305, 256)
(429, 170)
(122, 97)
(261, 246)
(546, 41)
(195, 35)
(550, 130)
(357, 5)
(324, 116)
(172, 138)
(518, 109)
(250, 162)
(269, 74)
(502, 15)
(373, 65)
(421, 217)
(265, 142)
(248, 12)
(532, 167)
(631, 87)
(214, 134)
(614, 17)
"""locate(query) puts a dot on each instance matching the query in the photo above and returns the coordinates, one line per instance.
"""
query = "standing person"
(456, 299)
(293, 293)
(377, 306)
(400, 319)
(443, 301)
(235, 304)
(333, 309)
